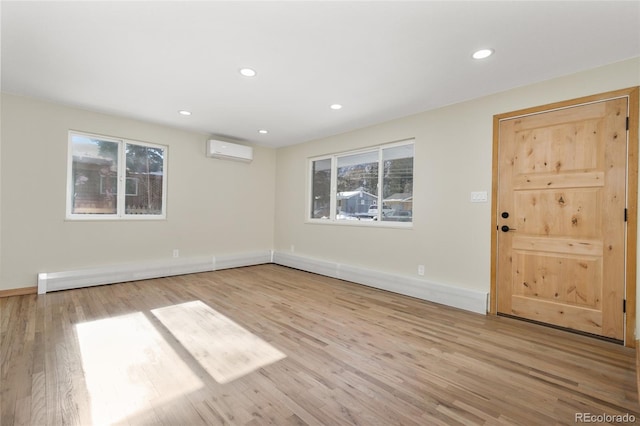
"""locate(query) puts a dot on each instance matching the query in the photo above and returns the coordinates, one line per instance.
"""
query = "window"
(351, 186)
(115, 178)
(321, 190)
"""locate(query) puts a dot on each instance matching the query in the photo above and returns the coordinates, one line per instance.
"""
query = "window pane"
(357, 185)
(321, 189)
(144, 186)
(94, 174)
(397, 182)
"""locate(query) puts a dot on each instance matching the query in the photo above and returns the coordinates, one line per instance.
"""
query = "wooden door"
(561, 217)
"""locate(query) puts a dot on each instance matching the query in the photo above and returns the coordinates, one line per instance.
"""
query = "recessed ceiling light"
(482, 53)
(263, 131)
(248, 72)
(336, 106)
(183, 112)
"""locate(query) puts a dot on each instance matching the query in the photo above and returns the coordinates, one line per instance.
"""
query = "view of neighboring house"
(401, 205)
(355, 202)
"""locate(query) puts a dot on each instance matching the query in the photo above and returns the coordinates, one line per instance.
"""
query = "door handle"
(505, 228)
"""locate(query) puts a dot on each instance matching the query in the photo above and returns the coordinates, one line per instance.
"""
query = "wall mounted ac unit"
(229, 151)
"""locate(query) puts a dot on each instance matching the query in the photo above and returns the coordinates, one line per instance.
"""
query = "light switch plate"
(479, 197)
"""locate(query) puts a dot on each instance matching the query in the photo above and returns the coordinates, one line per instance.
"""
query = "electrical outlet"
(420, 269)
(176, 253)
(293, 248)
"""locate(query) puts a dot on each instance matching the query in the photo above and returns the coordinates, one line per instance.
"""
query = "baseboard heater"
(54, 281)
(457, 297)
(462, 298)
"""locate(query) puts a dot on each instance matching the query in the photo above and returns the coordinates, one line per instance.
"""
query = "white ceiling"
(380, 60)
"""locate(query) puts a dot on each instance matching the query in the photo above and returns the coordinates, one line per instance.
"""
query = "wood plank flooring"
(354, 356)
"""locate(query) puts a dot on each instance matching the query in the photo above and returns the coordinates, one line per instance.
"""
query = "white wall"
(214, 206)
(453, 156)
(217, 207)
(1, 243)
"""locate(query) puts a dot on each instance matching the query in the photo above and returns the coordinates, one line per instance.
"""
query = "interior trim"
(457, 297)
(64, 280)
(18, 291)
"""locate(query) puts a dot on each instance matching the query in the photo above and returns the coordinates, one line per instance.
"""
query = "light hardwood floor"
(354, 356)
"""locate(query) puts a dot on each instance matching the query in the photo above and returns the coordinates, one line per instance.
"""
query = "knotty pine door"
(561, 216)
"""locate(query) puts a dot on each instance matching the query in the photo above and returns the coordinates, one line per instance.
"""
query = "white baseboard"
(308, 264)
(458, 297)
(53, 281)
(242, 259)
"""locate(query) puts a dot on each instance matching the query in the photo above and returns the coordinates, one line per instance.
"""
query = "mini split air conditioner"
(229, 151)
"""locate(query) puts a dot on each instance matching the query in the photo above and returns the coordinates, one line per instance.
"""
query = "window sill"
(115, 218)
(361, 223)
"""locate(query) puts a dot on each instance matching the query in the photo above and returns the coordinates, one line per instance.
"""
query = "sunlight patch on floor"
(223, 348)
(129, 367)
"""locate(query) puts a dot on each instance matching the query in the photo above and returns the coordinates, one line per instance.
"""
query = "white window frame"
(334, 188)
(120, 180)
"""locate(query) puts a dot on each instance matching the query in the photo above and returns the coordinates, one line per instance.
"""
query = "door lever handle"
(505, 228)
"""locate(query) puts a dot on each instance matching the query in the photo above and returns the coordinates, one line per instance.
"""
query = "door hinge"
(624, 306)
(627, 123)
(625, 214)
